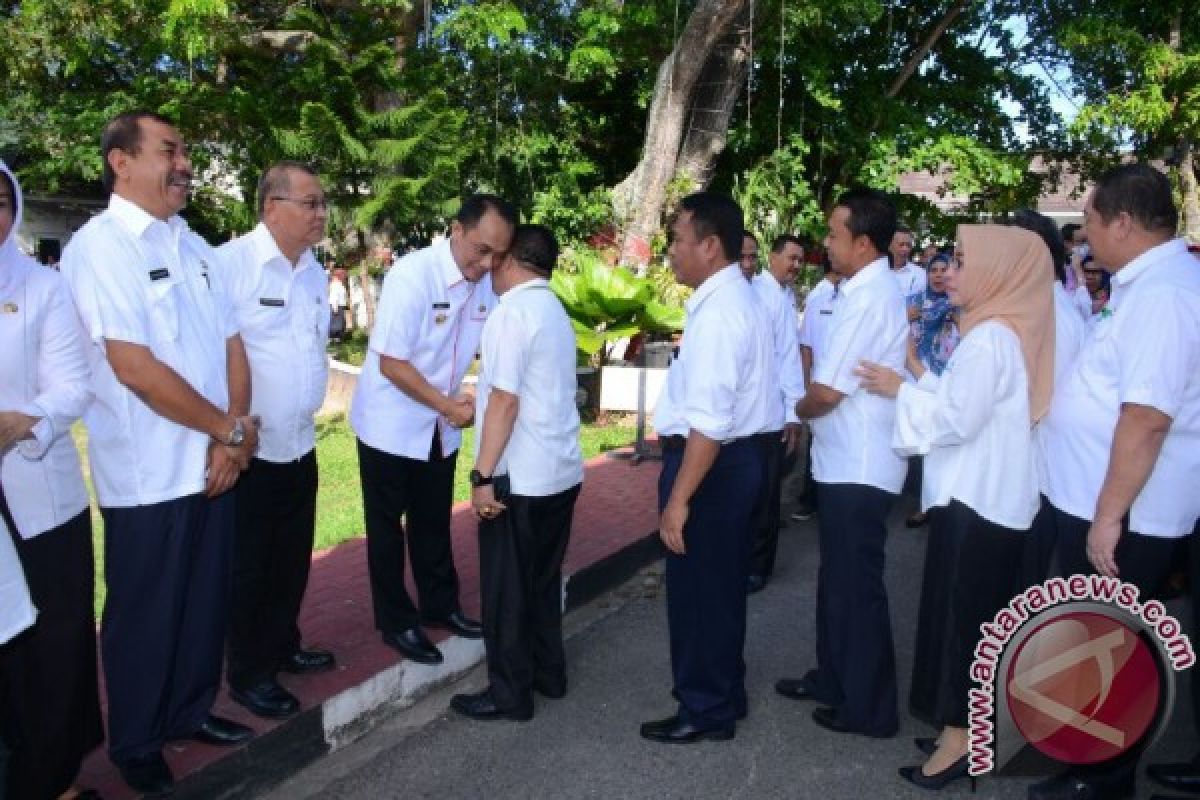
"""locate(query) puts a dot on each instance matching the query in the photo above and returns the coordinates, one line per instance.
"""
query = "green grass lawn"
(339, 498)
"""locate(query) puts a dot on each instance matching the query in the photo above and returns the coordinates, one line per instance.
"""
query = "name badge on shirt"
(9, 308)
(826, 311)
(159, 274)
(273, 302)
(441, 306)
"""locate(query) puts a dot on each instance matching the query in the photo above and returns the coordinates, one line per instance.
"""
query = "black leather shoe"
(1183, 777)
(1072, 787)
(459, 625)
(827, 718)
(673, 730)
(222, 732)
(148, 775)
(304, 661)
(756, 583)
(415, 646)
(795, 688)
(266, 699)
(481, 706)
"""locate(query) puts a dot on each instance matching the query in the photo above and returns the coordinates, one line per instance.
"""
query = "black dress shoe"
(222, 732)
(481, 706)
(266, 699)
(755, 583)
(415, 646)
(148, 775)
(459, 625)
(1072, 787)
(1184, 776)
(795, 688)
(938, 780)
(827, 718)
(305, 661)
(673, 730)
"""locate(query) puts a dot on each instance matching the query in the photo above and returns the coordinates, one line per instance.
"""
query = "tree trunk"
(638, 200)
(1191, 192)
(717, 92)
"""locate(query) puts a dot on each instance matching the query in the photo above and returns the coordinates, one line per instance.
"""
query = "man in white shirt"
(858, 475)
(278, 293)
(528, 471)
(814, 330)
(719, 394)
(1121, 433)
(748, 258)
(168, 435)
(407, 412)
(773, 287)
(910, 276)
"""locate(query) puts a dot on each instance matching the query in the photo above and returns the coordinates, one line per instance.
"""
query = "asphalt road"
(587, 745)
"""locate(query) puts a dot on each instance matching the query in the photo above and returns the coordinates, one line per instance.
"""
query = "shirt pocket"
(164, 310)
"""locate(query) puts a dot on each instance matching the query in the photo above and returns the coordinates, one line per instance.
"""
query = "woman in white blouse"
(973, 424)
(49, 702)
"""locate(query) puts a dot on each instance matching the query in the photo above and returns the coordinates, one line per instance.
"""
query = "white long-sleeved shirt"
(777, 301)
(282, 314)
(972, 425)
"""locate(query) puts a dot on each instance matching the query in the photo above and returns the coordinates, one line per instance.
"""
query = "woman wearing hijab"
(935, 333)
(973, 426)
(49, 702)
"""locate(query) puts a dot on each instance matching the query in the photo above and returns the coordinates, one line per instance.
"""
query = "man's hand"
(14, 426)
(460, 411)
(670, 527)
(483, 500)
(223, 470)
(242, 454)
(791, 436)
(1102, 546)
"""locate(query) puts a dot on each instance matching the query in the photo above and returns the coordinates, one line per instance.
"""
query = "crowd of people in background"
(1040, 387)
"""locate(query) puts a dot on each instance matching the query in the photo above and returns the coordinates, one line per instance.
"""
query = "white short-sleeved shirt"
(141, 280)
(1147, 352)
(818, 311)
(972, 425)
(283, 316)
(431, 317)
(781, 313)
(43, 373)
(336, 291)
(528, 350)
(912, 279)
(852, 443)
(723, 383)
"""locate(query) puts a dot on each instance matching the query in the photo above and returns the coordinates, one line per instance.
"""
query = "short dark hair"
(717, 215)
(748, 235)
(1044, 227)
(1140, 191)
(535, 248)
(902, 228)
(474, 206)
(872, 215)
(783, 240)
(124, 132)
(1068, 231)
(276, 179)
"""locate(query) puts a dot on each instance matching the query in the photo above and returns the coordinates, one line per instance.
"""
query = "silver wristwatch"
(237, 435)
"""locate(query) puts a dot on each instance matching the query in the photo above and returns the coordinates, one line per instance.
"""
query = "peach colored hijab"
(1007, 275)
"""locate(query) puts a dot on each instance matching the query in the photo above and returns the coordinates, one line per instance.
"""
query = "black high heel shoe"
(938, 780)
(926, 744)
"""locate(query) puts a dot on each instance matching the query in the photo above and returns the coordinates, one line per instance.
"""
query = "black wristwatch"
(478, 479)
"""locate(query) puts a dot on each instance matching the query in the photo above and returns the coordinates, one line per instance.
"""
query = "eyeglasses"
(308, 204)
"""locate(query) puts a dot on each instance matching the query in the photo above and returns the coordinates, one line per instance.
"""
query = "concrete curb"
(352, 713)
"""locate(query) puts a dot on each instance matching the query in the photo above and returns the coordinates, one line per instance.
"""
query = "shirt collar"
(865, 275)
(535, 283)
(451, 274)
(136, 219)
(266, 250)
(1147, 260)
(711, 284)
(767, 275)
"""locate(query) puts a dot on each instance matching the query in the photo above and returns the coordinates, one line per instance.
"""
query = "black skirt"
(49, 699)
(973, 567)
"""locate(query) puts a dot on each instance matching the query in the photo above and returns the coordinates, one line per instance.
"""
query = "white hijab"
(13, 261)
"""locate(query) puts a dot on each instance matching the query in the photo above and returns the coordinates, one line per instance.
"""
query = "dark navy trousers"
(706, 587)
(167, 567)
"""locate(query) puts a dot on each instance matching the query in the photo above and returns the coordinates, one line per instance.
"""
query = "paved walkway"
(613, 535)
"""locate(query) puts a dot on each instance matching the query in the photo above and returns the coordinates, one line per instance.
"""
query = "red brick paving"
(615, 509)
